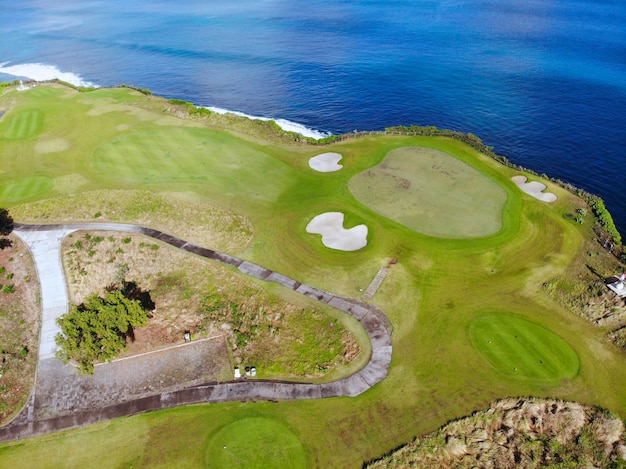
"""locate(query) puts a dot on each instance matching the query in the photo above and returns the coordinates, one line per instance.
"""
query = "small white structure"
(253, 372)
(617, 284)
(237, 373)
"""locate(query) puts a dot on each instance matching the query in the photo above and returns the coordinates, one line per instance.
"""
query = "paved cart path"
(45, 241)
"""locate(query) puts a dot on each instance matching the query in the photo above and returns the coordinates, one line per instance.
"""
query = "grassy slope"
(432, 295)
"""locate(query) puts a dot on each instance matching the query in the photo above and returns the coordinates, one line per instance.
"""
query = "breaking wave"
(284, 124)
(43, 72)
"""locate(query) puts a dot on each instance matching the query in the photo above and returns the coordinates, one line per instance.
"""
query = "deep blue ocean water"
(543, 81)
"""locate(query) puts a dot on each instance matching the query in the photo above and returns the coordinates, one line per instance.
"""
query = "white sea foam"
(43, 72)
(284, 124)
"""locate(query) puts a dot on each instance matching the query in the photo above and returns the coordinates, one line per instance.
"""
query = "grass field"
(25, 188)
(121, 145)
(432, 193)
(25, 124)
(521, 349)
(255, 443)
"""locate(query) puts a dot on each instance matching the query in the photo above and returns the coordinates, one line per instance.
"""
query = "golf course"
(467, 255)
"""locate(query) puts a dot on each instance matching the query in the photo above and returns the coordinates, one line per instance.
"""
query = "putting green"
(187, 155)
(255, 442)
(519, 348)
(24, 124)
(17, 190)
(432, 193)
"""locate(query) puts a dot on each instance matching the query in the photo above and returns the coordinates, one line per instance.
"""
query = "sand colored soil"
(534, 188)
(334, 235)
(52, 146)
(326, 162)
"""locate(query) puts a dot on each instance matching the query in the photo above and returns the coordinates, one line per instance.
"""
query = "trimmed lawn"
(24, 124)
(520, 349)
(441, 292)
(433, 193)
(25, 188)
(256, 443)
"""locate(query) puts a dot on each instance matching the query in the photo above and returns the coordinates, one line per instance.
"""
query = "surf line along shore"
(374, 321)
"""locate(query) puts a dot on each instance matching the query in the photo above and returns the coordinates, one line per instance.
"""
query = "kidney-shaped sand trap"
(534, 188)
(326, 162)
(334, 235)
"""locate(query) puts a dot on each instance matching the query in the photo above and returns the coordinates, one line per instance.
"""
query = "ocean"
(543, 81)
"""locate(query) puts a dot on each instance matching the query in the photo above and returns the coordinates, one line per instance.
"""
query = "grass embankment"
(434, 293)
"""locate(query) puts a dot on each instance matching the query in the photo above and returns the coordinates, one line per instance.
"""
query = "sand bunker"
(326, 162)
(534, 188)
(334, 235)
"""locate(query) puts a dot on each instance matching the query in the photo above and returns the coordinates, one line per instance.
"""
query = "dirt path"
(63, 399)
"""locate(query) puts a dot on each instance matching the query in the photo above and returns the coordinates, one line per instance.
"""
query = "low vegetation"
(520, 433)
(177, 213)
(280, 338)
(582, 287)
(19, 323)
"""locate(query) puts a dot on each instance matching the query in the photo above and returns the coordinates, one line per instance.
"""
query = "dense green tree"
(97, 330)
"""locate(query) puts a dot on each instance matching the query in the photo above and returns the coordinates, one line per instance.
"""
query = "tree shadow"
(6, 222)
(132, 291)
(5, 243)
(594, 271)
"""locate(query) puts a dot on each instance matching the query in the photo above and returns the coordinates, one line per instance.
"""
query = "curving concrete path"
(44, 242)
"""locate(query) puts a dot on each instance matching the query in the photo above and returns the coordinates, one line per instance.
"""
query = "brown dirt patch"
(20, 322)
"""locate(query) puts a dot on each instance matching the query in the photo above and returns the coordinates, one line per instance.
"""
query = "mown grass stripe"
(517, 347)
(34, 122)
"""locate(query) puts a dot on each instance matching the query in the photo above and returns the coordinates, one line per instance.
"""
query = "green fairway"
(468, 258)
(432, 193)
(13, 190)
(521, 349)
(255, 443)
(24, 124)
(191, 156)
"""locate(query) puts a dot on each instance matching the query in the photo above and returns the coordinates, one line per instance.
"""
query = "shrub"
(604, 218)
(97, 329)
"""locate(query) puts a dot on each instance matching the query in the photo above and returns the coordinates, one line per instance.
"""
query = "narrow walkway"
(45, 241)
(376, 282)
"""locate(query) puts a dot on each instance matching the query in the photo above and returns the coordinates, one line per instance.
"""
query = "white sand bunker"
(534, 188)
(326, 162)
(334, 235)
